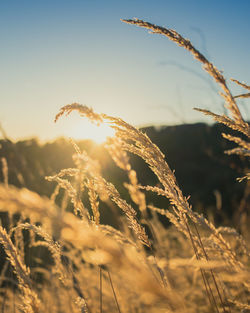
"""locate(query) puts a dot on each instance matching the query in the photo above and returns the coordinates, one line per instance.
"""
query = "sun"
(86, 130)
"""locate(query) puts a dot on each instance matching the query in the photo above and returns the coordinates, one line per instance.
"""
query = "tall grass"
(191, 266)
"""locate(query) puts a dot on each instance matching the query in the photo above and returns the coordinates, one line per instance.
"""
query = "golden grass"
(191, 266)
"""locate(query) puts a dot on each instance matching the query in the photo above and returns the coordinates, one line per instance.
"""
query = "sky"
(58, 52)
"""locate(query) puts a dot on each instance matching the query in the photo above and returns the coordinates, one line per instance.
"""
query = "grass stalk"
(203, 274)
(100, 288)
(113, 290)
(211, 271)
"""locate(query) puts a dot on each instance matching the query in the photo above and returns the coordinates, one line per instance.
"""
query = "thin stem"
(111, 284)
(205, 280)
(211, 271)
(4, 299)
(14, 298)
(100, 287)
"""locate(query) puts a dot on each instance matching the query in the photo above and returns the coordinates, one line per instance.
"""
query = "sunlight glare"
(86, 130)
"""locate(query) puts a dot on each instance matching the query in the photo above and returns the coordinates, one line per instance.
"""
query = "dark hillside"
(195, 152)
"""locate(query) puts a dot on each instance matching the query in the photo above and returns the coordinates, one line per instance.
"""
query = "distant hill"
(194, 151)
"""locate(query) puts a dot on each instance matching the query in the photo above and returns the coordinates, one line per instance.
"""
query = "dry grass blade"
(241, 127)
(100, 287)
(53, 246)
(237, 140)
(244, 95)
(5, 171)
(241, 84)
(31, 303)
(83, 111)
(93, 199)
(113, 290)
(108, 188)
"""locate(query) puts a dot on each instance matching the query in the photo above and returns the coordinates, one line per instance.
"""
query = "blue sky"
(58, 52)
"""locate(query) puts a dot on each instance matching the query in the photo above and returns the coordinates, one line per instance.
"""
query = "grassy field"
(58, 257)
